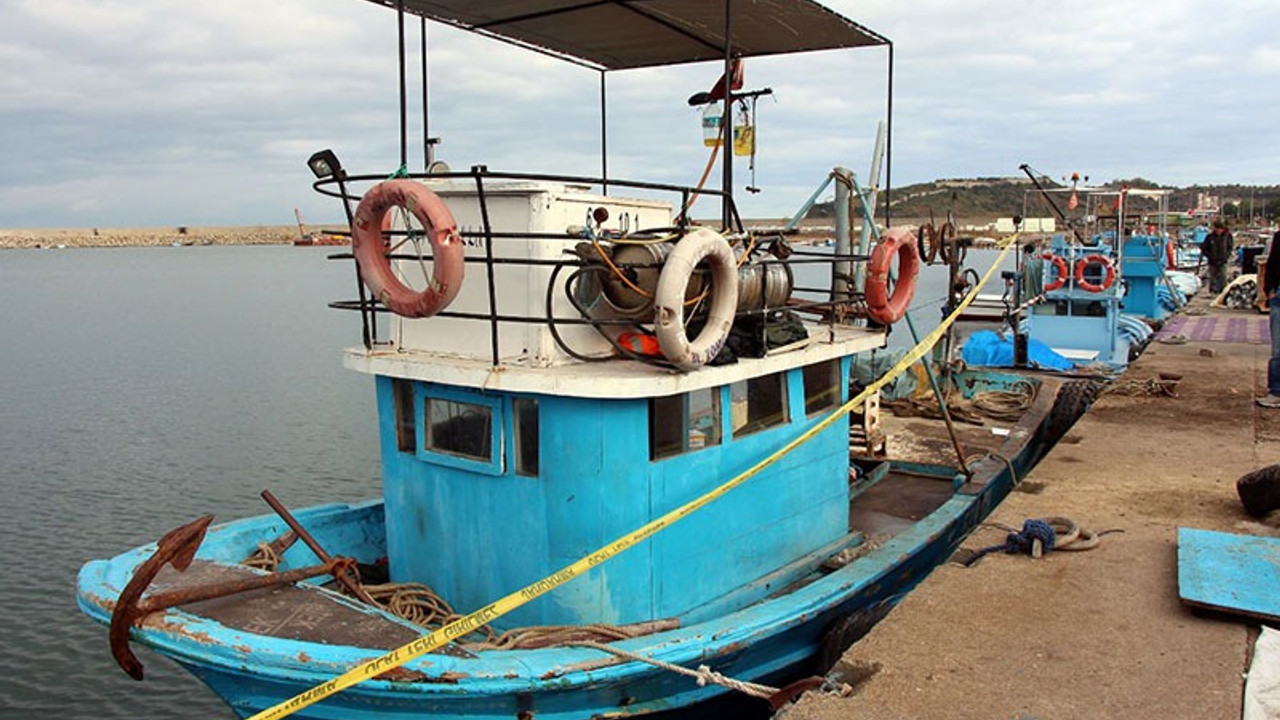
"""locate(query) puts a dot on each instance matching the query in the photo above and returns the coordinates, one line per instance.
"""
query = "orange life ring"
(1170, 254)
(1095, 259)
(370, 249)
(1061, 264)
(884, 308)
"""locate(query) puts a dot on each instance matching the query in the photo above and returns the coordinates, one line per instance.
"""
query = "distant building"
(1031, 224)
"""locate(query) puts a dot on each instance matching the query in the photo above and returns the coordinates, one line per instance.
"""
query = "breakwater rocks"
(134, 237)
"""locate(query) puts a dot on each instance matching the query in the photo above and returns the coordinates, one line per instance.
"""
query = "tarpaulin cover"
(990, 349)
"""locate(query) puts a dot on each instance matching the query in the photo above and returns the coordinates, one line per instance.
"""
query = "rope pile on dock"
(1160, 385)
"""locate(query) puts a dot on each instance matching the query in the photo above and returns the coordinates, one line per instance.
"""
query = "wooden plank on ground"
(1237, 574)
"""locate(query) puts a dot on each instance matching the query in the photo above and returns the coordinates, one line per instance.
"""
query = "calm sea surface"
(143, 387)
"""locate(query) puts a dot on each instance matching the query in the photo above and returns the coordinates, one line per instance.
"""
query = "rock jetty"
(127, 237)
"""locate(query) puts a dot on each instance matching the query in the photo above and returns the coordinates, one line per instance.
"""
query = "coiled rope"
(995, 404)
(1151, 386)
(1040, 536)
(264, 558)
(1006, 404)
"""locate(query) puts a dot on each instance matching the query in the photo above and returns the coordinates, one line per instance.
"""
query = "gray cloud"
(159, 113)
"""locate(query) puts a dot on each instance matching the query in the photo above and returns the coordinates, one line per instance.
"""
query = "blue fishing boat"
(1089, 298)
(623, 445)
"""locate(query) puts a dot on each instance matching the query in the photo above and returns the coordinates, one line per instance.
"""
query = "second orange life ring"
(1060, 264)
(370, 248)
(884, 308)
(1083, 263)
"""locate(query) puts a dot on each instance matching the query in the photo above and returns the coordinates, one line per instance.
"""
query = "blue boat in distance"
(625, 470)
(1095, 291)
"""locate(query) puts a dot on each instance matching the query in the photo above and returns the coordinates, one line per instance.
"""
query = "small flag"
(1124, 190)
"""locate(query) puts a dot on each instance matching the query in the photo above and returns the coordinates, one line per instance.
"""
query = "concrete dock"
(1099, 633)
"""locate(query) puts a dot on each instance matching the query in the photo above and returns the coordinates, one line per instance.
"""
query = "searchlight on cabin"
(324, 164)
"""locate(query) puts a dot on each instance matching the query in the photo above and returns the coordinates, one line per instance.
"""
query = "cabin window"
(821, 386)
(406, 432)
(525, 415)
(682, 423)
(758, 403)
(459, 428)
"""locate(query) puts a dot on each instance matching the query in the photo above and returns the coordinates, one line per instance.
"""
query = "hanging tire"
(669, 299)
(883, 307)
(370, 248)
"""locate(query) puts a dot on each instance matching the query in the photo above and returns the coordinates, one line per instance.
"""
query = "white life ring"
(669, 299)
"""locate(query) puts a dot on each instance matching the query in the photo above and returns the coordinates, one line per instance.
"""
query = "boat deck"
(1100, 633)
(294, 612)
(896, 503)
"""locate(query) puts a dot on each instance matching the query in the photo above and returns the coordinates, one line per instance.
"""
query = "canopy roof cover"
(622, 34)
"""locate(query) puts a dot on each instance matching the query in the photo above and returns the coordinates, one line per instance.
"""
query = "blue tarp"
(988, 348)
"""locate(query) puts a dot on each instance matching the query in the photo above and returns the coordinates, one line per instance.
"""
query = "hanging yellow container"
(744, 133)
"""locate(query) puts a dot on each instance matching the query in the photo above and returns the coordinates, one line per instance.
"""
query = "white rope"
(703, 674)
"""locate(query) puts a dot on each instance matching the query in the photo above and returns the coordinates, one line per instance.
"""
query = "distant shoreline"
(811, 231)
(32, 238)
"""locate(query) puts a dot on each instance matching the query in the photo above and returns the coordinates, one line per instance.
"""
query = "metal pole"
(726, 120)
(404, 91)
(888, 170)
(427, 150)
(604, 139)
(1043, 193)
(864, 242)
(842, 270)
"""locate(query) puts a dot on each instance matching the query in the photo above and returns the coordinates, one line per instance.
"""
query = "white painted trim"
(608, 379)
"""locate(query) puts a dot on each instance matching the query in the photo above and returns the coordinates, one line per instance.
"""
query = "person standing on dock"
(1271, 286)
(1216, 250)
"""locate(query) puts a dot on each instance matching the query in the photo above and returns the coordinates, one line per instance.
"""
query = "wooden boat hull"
(772, 641)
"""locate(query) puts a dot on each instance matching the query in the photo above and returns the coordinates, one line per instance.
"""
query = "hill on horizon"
(985, 198)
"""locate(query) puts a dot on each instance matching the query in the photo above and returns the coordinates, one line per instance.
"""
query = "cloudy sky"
(159, 113)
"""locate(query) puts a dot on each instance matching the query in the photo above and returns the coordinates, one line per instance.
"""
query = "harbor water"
(144, 387)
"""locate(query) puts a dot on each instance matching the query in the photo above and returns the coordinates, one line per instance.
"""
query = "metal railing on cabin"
(823, 303)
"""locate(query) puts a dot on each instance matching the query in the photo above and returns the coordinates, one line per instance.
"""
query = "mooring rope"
(703, 674)
(1040, 536)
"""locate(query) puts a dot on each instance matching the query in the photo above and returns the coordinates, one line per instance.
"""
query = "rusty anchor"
(178, 548)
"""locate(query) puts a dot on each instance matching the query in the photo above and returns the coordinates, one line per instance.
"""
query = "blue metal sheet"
(1232, 573)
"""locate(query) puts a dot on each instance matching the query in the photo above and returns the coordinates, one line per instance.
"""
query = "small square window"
(758, 403)
(684, 423)
(459, 428)
(821, 386)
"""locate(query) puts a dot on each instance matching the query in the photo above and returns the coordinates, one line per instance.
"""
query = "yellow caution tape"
(488, 613)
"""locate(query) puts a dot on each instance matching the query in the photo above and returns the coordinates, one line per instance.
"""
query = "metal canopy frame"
(607, 35)
(629, 34)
